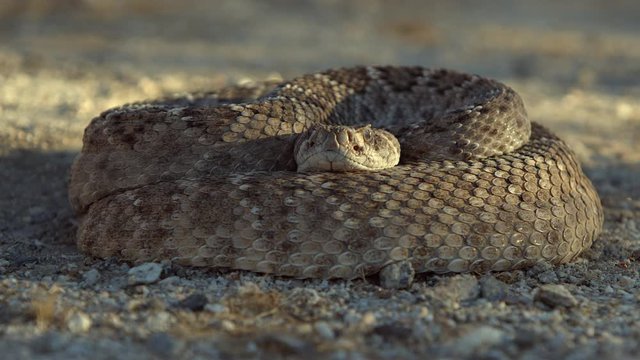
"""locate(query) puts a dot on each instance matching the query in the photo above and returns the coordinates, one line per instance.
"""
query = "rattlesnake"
(210, 180)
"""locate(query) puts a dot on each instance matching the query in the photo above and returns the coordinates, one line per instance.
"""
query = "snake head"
(345, 148)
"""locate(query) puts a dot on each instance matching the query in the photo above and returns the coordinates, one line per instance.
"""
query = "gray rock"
(193, 302)
(170, 281)
(3, 265)
(457, 288)
(49, 342)
(548, 277)
(397, 275)
(555, 295)
(91, 277)
(493, 289)
(163, 344)
(38, 214)
(324, 330)
(147, 273)
(627, 282)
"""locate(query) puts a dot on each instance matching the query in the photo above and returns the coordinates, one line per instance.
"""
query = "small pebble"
(306, 304)
(304, 329)
(493, 289)
(555, 295)
(193, 302)
(91, 277)
(284, 343)
(324, 330)
(457, 288)
(525, 337)
(38, 214)
(368, 319)
(170, 281)
(215, 308)
(398, 275)
(160, 321)
(163, 344)
(548, 277)
(393, 331)
(480, 337)
(50, 342)
(227, 325)
(78, 322)
(147, 273)
(627, 282)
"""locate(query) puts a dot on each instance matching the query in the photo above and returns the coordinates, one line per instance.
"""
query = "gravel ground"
(575, 63)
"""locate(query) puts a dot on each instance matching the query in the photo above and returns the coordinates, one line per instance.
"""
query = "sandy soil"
(576, 64)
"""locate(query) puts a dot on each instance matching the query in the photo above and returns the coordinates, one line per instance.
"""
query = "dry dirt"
(575, 63)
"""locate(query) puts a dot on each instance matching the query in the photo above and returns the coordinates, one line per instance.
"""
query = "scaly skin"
(210, 180)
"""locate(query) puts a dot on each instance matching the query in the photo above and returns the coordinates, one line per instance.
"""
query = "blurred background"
(66, 60)
(570, 41)
(575, 63)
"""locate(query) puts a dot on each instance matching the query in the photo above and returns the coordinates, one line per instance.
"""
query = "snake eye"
(357, 148)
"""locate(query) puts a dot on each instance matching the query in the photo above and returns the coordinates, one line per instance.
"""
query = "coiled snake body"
(210, 180)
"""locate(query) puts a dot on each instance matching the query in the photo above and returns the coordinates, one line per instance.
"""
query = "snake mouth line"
(331, 160)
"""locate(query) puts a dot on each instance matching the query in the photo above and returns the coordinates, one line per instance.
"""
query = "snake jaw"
(344, 148)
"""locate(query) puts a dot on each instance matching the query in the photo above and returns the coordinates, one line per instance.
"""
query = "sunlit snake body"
(210, 180)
